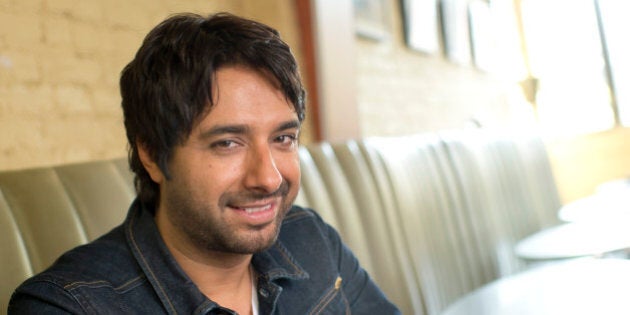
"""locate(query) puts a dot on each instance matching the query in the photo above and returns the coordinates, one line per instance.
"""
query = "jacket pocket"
(333, 301)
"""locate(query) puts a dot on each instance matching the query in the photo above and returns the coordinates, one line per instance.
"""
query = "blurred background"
(372, 68)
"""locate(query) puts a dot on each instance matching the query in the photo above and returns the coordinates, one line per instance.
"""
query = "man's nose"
(262, 171)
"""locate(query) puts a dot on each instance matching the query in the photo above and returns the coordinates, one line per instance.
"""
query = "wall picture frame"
(455, 31)
(421, 25)
(371, 19)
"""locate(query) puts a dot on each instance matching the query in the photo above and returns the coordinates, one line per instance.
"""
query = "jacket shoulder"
(298, 213)
(105, 260)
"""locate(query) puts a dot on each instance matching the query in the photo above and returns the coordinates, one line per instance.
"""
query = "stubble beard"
(200, 222)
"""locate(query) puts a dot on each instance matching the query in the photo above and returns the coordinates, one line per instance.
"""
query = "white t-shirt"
(254, 294)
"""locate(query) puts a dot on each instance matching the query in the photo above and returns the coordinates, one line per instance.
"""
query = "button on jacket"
(130, 271)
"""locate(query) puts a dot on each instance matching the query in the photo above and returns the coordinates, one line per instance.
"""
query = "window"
(576, 51)
(614, 24)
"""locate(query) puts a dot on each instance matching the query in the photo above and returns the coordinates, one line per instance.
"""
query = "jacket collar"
(171, 284)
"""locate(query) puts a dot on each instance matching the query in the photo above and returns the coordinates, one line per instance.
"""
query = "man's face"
(236, 176)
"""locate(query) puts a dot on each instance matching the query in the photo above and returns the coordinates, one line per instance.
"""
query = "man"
(212, 109)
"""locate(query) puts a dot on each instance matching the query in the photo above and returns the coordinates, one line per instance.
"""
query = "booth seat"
(431, 216)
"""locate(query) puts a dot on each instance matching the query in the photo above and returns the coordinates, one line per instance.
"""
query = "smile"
(251, 210)
(257, 214)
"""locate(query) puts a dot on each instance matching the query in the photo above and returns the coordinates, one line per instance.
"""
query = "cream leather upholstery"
(314, 190)
(13, 255)
(46, 211)
(424, 216)
(349, 219)
(431, 217)
(392, 269)
(97, 211)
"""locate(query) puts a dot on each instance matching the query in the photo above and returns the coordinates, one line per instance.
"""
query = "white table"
(576, 239)
(586, 286)
(600, 206)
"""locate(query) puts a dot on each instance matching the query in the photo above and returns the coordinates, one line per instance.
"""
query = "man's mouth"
(255, 209)
(256, 214)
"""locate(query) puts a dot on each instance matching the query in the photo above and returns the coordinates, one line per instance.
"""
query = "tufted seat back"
(46, 211)
(431, 217)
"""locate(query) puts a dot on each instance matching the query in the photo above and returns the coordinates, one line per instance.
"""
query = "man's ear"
(149, 164)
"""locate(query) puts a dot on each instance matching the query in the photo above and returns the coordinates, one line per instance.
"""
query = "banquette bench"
(430, 216)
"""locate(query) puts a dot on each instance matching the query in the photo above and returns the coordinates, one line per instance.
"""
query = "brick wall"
(401, 91)
(60, 61)
(59, 67)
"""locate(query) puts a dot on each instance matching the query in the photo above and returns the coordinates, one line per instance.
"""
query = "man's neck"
(225, 278)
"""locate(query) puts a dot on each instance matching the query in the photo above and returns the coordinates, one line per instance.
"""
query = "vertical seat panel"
(13, 256)
(393, 269)
(122, 165)
(424, 206)
(43, 212)
(315, 191)
(346, 210)
(100, 194)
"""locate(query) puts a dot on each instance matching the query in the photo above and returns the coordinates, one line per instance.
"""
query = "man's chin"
(258, 241)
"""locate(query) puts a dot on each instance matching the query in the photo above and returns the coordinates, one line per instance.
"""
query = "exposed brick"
(25, 68)
(6, 70)
(127, 15)
(20, 30)
(30, 147)
(111, 66)
(57, 30)
(31, 101)
(26, 6)
(61, 67)
(72, 99)
(87, 38)
(6, 5)
(60, 62)
(123, 42)
(83, 10)
(106, 100)
(5, 103)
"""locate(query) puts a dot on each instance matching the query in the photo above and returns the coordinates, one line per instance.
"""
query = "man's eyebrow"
(243, 129)
(292, 124)
(224, 129)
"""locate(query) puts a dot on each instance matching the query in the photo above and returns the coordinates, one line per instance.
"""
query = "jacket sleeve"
(36, 297)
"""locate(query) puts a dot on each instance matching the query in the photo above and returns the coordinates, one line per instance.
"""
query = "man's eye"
(223, 144)
(286, 139)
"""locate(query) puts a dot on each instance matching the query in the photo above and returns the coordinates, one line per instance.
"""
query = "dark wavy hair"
(166, 89)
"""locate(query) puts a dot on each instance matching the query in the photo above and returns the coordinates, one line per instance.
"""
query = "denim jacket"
(130, 271)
